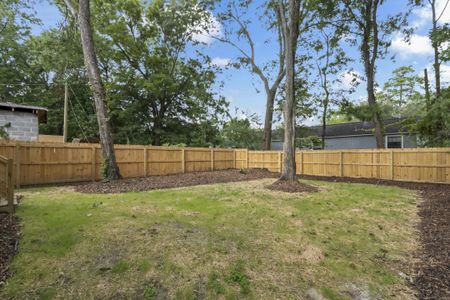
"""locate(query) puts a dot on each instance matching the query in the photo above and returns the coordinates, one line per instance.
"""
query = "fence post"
(392, 165)
(93, 160)
(279, 162)
(17, 159)
(10, 184)
(234, 159)
(183, 162)
(145, 161)
(302, 170)
(212, 159)
(341, 164)
(246, 159)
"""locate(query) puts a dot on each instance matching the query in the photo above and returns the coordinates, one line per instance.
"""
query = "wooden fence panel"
(223, 159)
(44, 138)
(164, 161)
(264, 160)
(241, 158)
(6, 185)
(40, 163)
(421, 165)
(130, 160)
(197, 160)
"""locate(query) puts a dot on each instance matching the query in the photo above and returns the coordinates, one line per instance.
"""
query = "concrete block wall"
(24, 126)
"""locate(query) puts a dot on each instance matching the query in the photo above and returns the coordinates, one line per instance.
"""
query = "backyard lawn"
(231, 240)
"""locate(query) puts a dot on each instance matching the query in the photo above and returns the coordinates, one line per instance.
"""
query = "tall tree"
(434, 127)
(330, 60)
(238, 29)
(363, 22)
(160, 92)
(290, 22)
(83, 18)
(297, 17)
(436, 16)
(400, 93)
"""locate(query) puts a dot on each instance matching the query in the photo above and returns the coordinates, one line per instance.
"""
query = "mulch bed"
(432, 271)
(292, 187)
(172, 181)
(9, 238)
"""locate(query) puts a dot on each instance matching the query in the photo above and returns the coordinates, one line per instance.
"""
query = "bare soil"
(432, 267)
(292, 187)
(173, 181)
(9, 237)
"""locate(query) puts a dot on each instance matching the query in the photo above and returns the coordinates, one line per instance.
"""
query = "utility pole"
(66, 108)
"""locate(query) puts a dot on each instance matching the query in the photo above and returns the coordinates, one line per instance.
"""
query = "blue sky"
(240, 86)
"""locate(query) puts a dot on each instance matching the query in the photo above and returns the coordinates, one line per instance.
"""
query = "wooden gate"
(6, 185)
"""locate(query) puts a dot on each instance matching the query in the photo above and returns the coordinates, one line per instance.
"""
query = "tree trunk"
(376, 118)
(370, 37)
(267, 144)
(90, 60)
(324, 122)
(157, 139)
(437, 64)
(427, 90)
(290, 32)
(289, 169)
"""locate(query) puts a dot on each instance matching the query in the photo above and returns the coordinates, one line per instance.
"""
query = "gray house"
(358, 135)
(21, 122)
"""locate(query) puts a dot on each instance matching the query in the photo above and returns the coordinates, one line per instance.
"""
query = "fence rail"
(6, 185)
(44, 163)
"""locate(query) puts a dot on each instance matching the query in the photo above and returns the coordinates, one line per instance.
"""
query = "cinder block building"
(21, 122)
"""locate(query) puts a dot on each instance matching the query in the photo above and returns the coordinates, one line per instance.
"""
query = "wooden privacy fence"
(43, 163)
(6, 185)
(417, 165)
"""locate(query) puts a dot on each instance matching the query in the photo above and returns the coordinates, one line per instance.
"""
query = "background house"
(356, 135)
(21, 122)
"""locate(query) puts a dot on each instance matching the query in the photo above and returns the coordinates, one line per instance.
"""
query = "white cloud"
(349, 79)
(418, 45)
(423, 15)
(207, 30)
(220, 62)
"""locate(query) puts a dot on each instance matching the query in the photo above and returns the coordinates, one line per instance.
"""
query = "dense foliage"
(159, 87)
(162, 88)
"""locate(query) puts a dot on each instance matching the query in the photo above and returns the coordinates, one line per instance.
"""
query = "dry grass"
(223, 241)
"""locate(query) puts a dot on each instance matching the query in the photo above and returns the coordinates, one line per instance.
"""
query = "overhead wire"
(83, 131)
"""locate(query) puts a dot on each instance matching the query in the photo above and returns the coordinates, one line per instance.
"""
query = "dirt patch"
(292, 187)
(431, 277)
(9, 238)
(312, 254)
(173, 181)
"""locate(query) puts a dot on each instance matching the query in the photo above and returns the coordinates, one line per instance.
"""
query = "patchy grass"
(229, 241)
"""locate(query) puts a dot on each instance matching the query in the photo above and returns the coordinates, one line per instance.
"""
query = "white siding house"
(358, 135)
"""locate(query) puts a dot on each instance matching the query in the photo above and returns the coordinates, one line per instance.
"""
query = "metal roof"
(16, 105)
(41, 112)
(391, 126)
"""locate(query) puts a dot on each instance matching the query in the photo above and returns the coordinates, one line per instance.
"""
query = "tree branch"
(71, 8)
